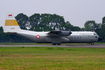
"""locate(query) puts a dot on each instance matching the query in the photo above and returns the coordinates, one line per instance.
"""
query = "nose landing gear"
(92, 43)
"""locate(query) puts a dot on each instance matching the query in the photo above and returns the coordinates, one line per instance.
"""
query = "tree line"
(44, 22)
(50, 22)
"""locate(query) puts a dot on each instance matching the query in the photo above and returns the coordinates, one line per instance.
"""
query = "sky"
(77, 12)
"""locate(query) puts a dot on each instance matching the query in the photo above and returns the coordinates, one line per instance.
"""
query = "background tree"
(34, 21)
(22, 20)
(90, 25)
(102, 31)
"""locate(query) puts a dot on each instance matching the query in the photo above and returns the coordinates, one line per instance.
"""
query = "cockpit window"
(95, 33)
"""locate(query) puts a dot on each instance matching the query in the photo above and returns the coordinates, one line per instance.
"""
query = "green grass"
(51, 58)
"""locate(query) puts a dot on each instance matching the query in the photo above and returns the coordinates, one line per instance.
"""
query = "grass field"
(51, 58)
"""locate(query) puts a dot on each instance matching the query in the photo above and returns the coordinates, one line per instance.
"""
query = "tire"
(92, 43)
(59, 44)
(54, 44)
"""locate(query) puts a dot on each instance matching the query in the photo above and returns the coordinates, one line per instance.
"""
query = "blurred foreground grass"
(51, 58)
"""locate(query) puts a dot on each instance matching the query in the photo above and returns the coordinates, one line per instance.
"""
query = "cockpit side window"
(95, 36)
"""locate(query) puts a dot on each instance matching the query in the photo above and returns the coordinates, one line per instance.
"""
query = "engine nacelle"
(65, 33)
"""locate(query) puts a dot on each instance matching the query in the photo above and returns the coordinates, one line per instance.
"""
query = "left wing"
(60, 33)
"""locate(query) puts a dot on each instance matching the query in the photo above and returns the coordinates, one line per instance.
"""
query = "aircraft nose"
(100, 38)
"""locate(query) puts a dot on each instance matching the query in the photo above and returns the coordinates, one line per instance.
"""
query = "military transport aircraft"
(54, 37)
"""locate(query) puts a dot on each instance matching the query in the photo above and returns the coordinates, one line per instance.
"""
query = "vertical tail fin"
(11, 25)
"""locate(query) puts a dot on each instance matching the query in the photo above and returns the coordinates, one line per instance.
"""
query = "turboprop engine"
(64, 33)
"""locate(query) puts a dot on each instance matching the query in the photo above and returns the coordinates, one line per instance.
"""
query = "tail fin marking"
(11, 23)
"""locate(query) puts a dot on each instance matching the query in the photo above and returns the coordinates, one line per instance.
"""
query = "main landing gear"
(56, 43)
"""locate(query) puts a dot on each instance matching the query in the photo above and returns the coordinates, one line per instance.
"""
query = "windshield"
(95, 33)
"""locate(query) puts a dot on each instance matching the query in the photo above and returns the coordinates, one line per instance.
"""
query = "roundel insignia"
(38, 36)
(10, 15)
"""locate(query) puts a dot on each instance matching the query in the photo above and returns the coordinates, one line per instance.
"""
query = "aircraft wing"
(59, 33)
(54, 33)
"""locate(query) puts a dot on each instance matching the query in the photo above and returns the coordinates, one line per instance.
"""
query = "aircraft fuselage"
(54, 37)
(75, 37)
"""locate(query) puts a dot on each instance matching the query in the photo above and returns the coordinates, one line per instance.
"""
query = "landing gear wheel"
(92, 43)
(59, 44)
(54, 44)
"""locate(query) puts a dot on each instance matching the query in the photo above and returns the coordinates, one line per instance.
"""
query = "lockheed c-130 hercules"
(54, 37)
